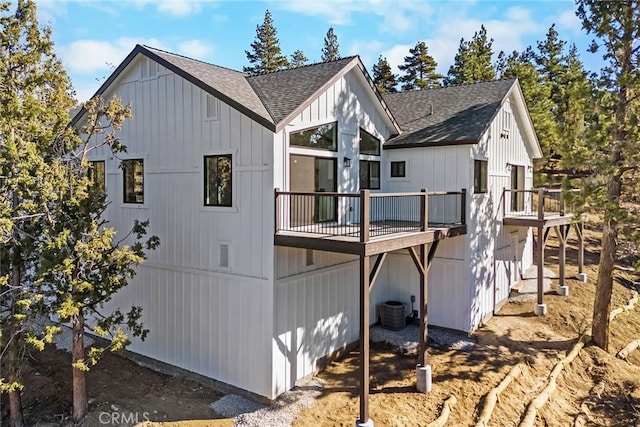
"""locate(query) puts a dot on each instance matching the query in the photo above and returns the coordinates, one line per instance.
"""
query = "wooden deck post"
(365, 214)
(562, 232)
(277, 210)
(424, 210)
(364, 340)
(540, 308)
(541, 203)
(424, 293)
(582, 276)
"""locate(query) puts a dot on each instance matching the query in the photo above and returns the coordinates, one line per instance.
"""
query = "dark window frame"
(125, 179)
(367, 185)
(333, 148)
(206, 197)
(400, 169)
(480, 176)
(364, 134)
(92, 172)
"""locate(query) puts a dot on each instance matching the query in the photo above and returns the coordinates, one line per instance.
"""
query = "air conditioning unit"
(392, 315)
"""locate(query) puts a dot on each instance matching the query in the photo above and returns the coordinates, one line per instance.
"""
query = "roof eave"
(391, 146)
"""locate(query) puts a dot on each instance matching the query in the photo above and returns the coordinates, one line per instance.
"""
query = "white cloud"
(568, 21)
(395, 55)
(171, 7)
(397, 17)
(368, 51)
(91, 56)
(195, 49)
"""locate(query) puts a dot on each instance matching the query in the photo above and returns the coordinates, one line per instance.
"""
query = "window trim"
(124, 181)
(326, 150)
(479, 189)
(369, 162)
(204, 180)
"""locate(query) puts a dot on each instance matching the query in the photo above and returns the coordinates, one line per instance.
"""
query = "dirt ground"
(605, 389)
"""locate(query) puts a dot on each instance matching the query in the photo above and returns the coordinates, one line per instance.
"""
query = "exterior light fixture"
(347, 162)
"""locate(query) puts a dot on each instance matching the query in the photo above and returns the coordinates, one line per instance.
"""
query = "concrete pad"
(540, 309)
(368, 423)
(563, 291)
(582, 277)
(423, 380)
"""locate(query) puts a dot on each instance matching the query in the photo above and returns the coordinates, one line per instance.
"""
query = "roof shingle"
(282, 92)
(456, 114)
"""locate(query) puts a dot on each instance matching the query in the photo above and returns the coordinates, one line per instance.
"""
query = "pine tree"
(383, 78)
(419, 69)
(265, 54)
(297, 59)
(35, 97)
(613, 137)
(472, 63)
(331, 49)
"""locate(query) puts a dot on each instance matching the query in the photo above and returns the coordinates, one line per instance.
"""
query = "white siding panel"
(315, 314)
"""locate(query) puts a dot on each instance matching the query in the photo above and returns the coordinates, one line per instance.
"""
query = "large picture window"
(369, 175)
(97, 174)
(217, 180)
(480, 176)
(324, 137)
(133, 178)
(369, 144)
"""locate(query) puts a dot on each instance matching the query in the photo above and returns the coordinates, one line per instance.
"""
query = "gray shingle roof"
(282, 92)
(230, 83)
(457, 114)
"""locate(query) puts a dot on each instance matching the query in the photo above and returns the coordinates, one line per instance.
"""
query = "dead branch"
(447, 407)
(492, 396)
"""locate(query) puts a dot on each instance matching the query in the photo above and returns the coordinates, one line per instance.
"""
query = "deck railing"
(536, 202)
(365, 214)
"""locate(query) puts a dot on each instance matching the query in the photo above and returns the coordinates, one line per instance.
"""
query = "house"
(282, 199)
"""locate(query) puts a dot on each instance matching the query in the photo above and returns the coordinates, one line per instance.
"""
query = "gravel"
(408, 339)
(281, 413)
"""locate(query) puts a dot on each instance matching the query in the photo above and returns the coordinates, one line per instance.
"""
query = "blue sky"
(93, 36)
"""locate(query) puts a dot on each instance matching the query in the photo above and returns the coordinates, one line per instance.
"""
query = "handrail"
(536, 202)
(366, 214)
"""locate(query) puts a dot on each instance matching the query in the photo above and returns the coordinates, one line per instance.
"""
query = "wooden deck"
(346, 239)
(549, 219)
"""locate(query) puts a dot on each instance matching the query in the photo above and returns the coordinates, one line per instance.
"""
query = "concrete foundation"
(563, 291)
(540, 309)
(369, 423)
(582, 277)
(423, 381)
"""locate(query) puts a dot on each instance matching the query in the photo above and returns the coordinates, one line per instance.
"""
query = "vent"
(392, 315)
(309, 257)
(213, 108)
(149, 69)
(224, 255)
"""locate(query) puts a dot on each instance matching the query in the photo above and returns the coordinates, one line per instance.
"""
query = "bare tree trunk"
(13, 359)
(80, 406)
(602, 303)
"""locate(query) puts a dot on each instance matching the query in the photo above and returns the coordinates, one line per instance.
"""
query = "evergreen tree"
(331, 49)
(383, 78)
(472, 63)
(265, 54)
(419, 69)
(613, 137)
(35, 97)
(297, 59)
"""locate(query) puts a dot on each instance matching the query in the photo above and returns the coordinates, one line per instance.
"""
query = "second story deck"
(367, 223)
(538, 207)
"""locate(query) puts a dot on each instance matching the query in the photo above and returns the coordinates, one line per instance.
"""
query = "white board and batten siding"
(316, 294)
(507, 250)
(207, 292)
(435, 169)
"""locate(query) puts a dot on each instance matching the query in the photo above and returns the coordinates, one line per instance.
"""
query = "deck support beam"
(364, 342)
(562, 232)
(423, 370)
(541, 307)
(582, 276)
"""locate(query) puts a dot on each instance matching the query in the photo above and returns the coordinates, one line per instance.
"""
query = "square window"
(323, 137)
(369, 175)
(480, 176)
(133, 179)
(398, 169)
(217, 180)
(97, 175)
(369, 144)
